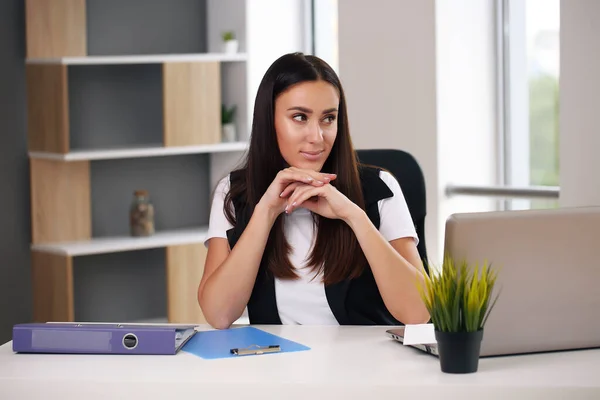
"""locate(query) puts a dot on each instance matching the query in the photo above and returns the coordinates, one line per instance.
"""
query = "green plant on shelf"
(458, 298)
(228, 35)
(227, 114)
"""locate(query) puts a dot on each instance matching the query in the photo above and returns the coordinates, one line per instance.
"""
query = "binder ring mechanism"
(256, 350)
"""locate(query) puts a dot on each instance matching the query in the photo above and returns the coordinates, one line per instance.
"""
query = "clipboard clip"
(256, 350)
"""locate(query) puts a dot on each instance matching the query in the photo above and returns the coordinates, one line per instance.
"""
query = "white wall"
(579, 91)
(273, 28)
(466, 103)
(420, 76)
(326, 31)
(387, 67)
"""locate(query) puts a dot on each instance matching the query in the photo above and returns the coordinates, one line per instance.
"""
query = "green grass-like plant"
(228, 35)
(227, 114)
(458, 297)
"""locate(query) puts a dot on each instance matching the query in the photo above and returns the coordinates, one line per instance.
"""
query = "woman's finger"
(290, 188)
(288, 176)
(317, 177)
(302, 194)
(293, 198)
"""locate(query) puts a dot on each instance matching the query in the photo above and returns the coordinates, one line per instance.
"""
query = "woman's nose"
(315, 132)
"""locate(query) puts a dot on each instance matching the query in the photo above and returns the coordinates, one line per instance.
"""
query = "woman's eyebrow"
(300, 108)
(309, 111)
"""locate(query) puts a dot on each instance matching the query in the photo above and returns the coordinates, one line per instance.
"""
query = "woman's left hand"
(326, 201)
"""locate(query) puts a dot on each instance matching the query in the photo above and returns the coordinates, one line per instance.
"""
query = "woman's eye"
(299, 117)
(329, 119)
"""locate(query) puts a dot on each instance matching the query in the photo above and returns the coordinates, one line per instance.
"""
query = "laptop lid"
(549, 276)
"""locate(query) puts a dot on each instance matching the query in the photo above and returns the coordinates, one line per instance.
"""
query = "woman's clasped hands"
(295, 188)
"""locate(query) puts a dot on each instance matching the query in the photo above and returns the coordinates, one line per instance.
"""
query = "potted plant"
(230, 43)
(458, 301)
(228, 132)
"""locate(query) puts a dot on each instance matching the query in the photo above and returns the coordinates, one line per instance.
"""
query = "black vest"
(353, 302)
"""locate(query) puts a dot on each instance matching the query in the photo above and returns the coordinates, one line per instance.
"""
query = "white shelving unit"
(140, 59)
(72, 83)
(117, 244)
(138, 152)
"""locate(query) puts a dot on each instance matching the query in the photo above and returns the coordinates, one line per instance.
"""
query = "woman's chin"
(311, 165)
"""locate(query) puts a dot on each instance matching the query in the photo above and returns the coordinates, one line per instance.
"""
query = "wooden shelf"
(191, 105)
(123, 243)
(141, 59)
(138, 152)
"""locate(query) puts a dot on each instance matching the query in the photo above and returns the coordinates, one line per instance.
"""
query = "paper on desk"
(419, 334)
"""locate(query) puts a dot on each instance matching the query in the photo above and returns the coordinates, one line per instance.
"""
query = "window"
(529, 73)
(527, 58)
(325, 31)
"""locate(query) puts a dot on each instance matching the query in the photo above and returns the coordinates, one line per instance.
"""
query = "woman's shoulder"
(389, 179)
(222, 188)
(231, 188)
(370, 172)
(224, 183)
(384, 183)
(232, 177)
(376, 184)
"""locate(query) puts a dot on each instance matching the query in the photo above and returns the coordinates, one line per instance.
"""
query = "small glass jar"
(141, 214)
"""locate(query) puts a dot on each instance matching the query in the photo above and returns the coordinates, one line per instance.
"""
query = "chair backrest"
(409, 174)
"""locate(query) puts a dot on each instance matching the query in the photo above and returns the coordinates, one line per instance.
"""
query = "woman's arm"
(396, 266)
(229, 276)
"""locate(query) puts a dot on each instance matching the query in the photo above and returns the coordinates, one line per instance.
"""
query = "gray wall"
(15, 288)
(115, 106)
(128, 286)
(178, 187)
(146, 27)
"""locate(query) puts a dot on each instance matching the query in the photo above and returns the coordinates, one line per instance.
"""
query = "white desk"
(344, 363)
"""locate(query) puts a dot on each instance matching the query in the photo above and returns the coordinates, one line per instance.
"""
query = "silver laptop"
(549, 277)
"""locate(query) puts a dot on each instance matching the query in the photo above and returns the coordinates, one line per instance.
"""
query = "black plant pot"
(459, 351)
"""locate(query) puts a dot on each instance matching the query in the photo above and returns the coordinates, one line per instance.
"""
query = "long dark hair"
(336, 251)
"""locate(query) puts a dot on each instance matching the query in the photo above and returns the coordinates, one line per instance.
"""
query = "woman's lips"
(312, 155)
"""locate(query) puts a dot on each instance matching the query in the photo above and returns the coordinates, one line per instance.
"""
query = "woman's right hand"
(274, 199)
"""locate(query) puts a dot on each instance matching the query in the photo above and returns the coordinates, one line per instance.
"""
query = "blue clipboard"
(218, 343)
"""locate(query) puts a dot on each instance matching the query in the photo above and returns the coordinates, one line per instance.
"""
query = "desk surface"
(344, 362)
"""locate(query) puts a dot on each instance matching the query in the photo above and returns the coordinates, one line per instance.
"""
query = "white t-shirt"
(303, 301)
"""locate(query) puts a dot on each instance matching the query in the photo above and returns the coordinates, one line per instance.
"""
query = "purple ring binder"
(100, 338)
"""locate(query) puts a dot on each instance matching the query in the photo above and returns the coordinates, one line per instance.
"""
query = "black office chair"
(407, 171)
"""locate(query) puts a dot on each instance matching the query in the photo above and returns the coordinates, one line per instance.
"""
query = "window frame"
(513, 100)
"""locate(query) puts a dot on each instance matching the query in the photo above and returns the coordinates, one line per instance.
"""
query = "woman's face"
(306, 123)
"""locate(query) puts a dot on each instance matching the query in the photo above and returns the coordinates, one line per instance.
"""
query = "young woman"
(302, 234)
